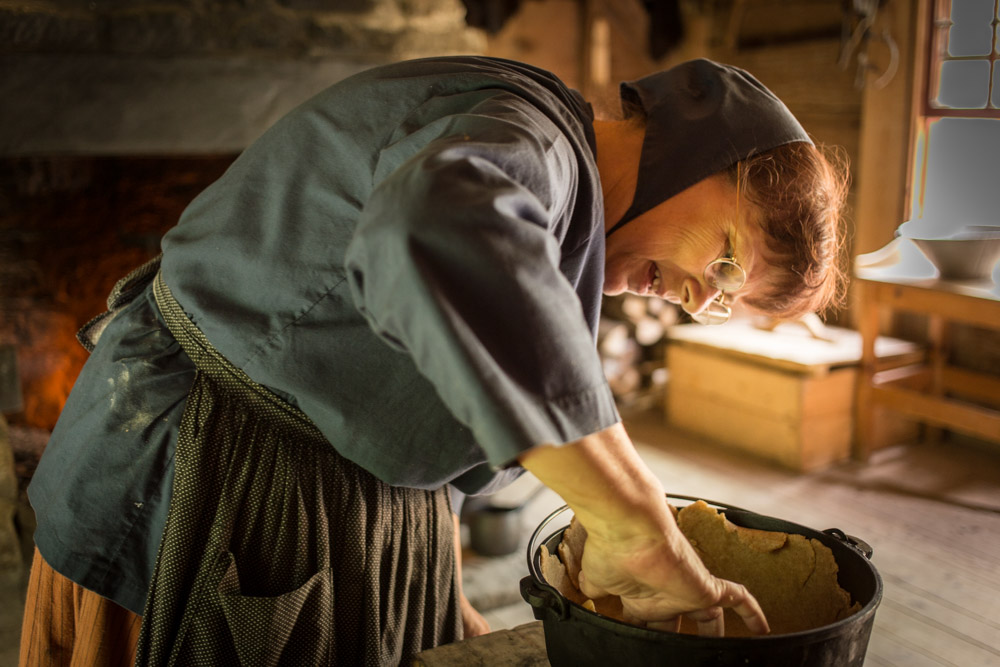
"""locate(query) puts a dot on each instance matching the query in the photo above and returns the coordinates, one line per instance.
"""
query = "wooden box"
(782, 395)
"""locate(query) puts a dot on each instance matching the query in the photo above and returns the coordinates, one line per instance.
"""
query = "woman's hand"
(473, 623)
(660, 580)
(634, 548)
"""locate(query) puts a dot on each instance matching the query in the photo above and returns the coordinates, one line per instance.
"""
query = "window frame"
(938, 23)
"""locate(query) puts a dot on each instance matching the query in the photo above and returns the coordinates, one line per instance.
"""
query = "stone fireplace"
(117, 114)
(73, 225)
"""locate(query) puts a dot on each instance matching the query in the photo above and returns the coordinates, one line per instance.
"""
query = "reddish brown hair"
(800, 192)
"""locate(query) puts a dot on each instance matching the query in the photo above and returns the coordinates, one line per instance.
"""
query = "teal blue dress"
(413, 259)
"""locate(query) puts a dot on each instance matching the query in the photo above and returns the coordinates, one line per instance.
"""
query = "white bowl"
(967, 254)
(962, 258)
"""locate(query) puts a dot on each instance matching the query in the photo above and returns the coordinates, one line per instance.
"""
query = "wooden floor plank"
(953, 630)
(934, 641)
(887, 648)
(935, 530)
(977, 621)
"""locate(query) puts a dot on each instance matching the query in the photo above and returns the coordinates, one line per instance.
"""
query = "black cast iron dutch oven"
(575, 637)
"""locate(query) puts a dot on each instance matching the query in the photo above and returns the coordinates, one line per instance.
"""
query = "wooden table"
(934, 393)
(523, 646)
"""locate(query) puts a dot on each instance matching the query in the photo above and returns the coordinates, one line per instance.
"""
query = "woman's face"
(664, 252)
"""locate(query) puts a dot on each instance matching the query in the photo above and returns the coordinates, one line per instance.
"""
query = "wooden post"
(864, 414)
(886, 137)
(883, 169)
(937, 337)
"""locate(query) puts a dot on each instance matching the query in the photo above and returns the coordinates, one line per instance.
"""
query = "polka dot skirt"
(277, 550)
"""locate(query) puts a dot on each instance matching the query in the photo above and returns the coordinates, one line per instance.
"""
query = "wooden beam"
(887, 132)
(972, 384)
(956, 415)
(955, 306)
(893, 362)
(917, 377)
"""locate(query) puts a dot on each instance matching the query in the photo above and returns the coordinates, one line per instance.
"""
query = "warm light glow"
(49, 360)
(600, 52)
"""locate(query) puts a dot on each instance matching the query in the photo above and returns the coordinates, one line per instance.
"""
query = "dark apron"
(277, 550)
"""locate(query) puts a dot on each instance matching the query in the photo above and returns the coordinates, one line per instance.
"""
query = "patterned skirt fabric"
(277, 550)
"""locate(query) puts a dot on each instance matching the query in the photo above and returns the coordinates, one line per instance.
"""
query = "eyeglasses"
(724, 274)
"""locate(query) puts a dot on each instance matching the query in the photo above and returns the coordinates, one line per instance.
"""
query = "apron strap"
(122, 294)
(204, 355)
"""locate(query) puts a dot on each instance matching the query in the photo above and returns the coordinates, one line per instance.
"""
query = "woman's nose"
(696, 295)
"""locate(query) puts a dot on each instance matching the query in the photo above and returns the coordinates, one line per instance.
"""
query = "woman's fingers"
(711, 622)
(713, 628)
(738, 598)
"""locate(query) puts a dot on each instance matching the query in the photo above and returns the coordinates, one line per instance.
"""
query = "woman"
(394, 290)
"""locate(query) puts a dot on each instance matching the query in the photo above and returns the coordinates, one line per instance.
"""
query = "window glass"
(964, 84)
(963, 69)
(956, 163)
(960, 182)
(996, 85)
(971, 33)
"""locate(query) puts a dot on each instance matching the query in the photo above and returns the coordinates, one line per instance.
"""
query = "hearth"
(70, 227)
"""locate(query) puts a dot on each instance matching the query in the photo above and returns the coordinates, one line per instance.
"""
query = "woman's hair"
(799, 191)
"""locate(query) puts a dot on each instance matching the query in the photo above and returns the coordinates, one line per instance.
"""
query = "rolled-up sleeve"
(455, 260)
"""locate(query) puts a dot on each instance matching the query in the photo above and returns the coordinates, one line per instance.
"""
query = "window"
(956, 167)
(964, 69)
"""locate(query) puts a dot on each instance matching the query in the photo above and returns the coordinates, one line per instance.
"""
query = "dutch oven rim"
(542, 588)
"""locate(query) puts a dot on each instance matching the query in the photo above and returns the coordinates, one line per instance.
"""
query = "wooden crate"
(782, 395)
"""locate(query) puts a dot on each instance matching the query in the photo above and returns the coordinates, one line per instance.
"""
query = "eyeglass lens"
(725, 274)
(716, 312)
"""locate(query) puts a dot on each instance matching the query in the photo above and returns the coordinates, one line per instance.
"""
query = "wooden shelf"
(934, 393)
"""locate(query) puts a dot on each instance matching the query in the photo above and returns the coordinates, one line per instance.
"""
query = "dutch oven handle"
(543, 596)
(858, 544)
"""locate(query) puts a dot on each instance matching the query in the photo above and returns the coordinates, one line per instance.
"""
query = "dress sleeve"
(455, 261)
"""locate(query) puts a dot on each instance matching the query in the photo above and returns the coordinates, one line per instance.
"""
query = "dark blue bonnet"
(701, 118)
